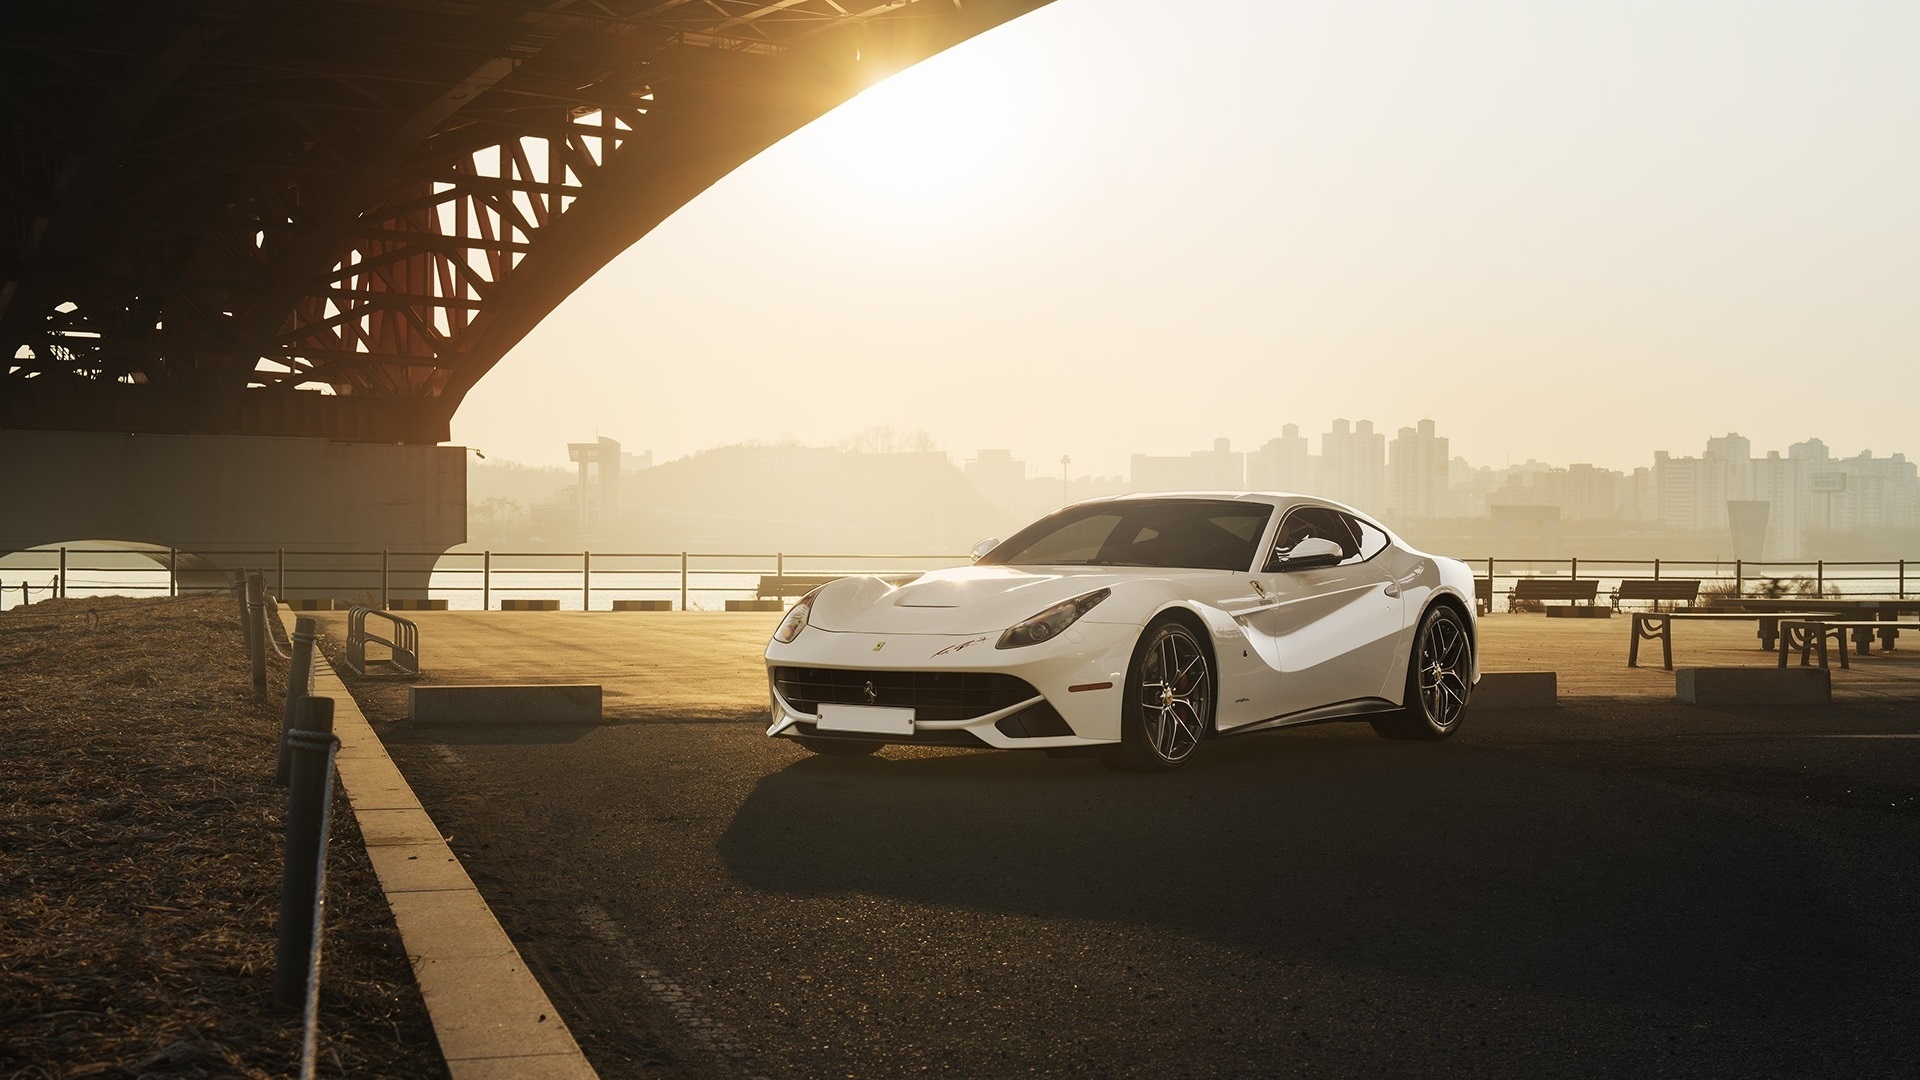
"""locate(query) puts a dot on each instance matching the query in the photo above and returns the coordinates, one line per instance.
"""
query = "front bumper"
(1067, 692)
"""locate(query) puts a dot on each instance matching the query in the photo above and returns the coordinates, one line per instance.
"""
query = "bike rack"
(403, 646)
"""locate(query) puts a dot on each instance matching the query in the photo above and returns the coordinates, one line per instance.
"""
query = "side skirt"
(1351, 709)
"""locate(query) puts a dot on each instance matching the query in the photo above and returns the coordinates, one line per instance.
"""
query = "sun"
(937, 145)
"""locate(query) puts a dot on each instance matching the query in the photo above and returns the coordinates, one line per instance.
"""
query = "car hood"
(966, 600)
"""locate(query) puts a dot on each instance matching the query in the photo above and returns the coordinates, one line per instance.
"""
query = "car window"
(1075, 541)
(1199, 534)
(1325, 523)
(1373, 539)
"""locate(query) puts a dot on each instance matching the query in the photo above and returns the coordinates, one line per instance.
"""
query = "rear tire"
(1167, 706)
(1438, 671)
(837, 747)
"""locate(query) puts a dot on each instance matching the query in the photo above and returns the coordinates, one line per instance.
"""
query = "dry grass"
(140, 839)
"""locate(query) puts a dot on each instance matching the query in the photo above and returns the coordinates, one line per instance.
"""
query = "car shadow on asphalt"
(1442, 860)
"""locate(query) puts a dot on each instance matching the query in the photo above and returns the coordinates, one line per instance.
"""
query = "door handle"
(1393, 588)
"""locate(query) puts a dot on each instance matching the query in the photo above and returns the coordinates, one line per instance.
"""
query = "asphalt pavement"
(1613, 888)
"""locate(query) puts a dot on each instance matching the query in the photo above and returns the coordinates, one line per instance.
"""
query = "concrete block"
(643, 605)
(1516, 690)
(308, 603)
(756, 605)
(529, 605)
(417, 604)
(574, 703)
(1753, 686)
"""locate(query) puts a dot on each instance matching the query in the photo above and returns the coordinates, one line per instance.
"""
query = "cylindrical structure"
(303, 879)
(683, 581)
(257, 632)
(1656, 569)
(1739, 573)
(299, 685)
(1820, 578)
(1573, 568)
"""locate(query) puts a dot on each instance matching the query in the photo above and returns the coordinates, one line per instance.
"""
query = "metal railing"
(690, 580)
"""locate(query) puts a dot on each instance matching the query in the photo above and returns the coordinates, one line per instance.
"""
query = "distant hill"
(805, 499)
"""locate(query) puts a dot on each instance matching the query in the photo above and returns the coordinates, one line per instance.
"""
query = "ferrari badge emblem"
(878, 645)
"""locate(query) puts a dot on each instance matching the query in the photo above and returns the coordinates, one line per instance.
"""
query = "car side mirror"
(980, 549)
(1312, 552)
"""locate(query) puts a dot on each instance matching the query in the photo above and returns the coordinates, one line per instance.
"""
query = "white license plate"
(866, 719)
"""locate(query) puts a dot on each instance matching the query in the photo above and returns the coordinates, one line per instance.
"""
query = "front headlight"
(1050, 623)
(796, 620)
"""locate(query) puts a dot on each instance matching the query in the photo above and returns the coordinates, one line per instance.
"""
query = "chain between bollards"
(299, 685)
(303, 884)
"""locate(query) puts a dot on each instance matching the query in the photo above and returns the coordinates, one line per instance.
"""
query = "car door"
(1329, 630)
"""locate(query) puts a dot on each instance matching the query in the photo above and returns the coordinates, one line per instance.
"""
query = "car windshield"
(1196, 534)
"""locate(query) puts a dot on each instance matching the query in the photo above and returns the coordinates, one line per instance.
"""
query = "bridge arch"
(333, 219)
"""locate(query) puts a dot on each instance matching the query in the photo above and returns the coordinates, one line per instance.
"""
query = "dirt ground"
(140, 861)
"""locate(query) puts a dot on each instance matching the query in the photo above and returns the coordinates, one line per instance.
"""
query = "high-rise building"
(1283, 464)
(1353, 465)
(1417, 474)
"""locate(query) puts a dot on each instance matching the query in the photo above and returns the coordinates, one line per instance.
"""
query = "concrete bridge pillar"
(330, 513)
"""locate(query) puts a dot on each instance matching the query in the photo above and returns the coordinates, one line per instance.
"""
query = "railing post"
(1903, 579)
(299, 685)
(683, 581)
(280, 565)
(63, 574)
(586, 581)
(385, 602)
(1656, 569)
(303, 879)
(173, 572)
(257, 632)
(780, 564)
(1573, 568)
(1820, 578)
(486, 580)
(1738, 573)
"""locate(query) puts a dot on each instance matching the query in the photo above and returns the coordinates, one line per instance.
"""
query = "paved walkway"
(707, 665)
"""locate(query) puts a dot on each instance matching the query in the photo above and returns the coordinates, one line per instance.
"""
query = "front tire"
(1438, 671)
(1167, 707)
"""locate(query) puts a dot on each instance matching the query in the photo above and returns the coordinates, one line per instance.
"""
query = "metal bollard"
(299, 685)
(304, 878)
(257, 633)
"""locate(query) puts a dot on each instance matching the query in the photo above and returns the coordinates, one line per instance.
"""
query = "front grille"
(936, 737)
(932, 695)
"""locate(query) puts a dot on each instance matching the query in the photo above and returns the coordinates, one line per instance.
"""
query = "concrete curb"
(489, 1013)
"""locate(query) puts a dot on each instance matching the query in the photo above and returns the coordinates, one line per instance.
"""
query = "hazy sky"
(1576, 231)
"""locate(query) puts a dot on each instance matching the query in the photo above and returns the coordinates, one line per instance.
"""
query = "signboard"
(1829, 483)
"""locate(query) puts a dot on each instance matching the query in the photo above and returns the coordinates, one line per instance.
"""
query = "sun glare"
(936, 145)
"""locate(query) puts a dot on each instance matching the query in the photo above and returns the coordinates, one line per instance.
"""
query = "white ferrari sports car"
(1136, 627)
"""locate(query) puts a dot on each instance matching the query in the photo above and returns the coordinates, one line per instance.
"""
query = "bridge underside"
(331, 218)
(230, 501)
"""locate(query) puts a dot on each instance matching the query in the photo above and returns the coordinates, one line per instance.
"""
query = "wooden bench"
(1862, 611)
(1658, 625)
(1482, 595)
(779, 586)
(1570, 589)
(1810, 635)
(1678, 590)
